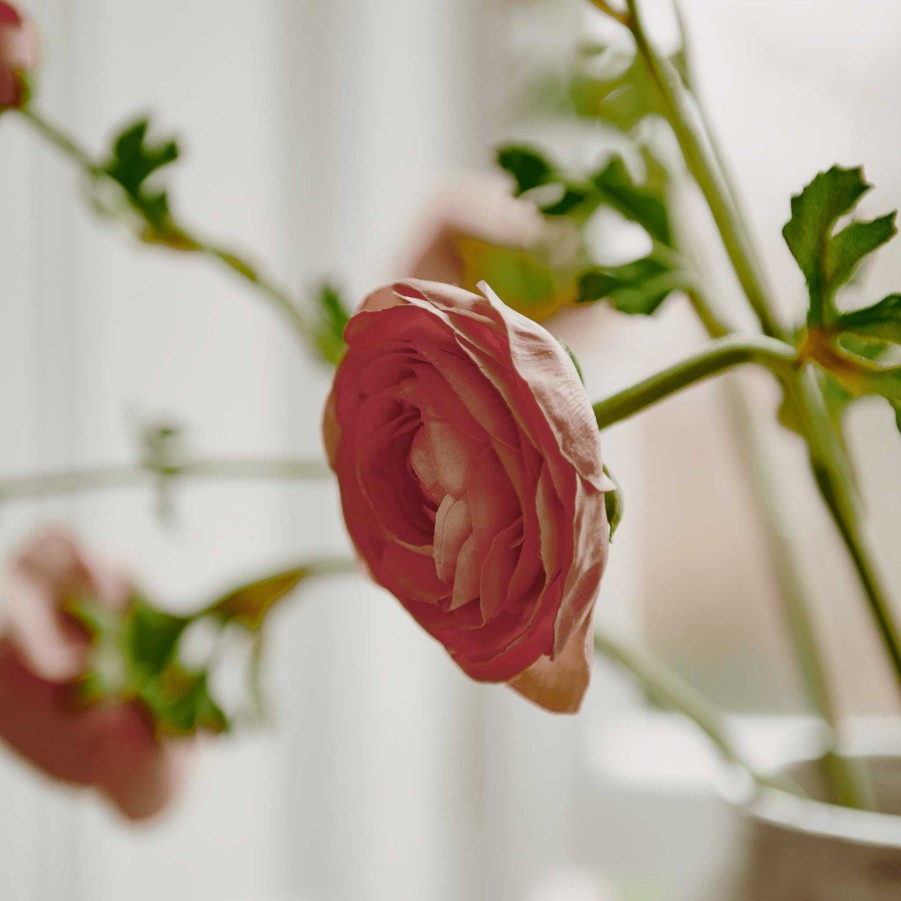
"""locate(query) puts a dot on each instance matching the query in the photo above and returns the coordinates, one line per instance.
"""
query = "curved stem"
(670, 690)
(716, 357)
(706, 174)
(31, 487)
(188, 240)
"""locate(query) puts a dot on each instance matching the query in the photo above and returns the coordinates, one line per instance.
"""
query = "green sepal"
(614, 503)
(826, 259)
(332, 319)
(572, 357)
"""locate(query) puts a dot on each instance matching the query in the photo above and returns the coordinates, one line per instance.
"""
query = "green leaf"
(152, 636)
(572, 198)
(133, 163)
(638, 204)
(249, 604)
(828, 260)
(135, 158)
(622, 98)
(332, 320)
(527, 166)
(881, 321)
(637, 288)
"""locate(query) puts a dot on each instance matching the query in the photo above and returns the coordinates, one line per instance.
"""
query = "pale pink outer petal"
(559, 685)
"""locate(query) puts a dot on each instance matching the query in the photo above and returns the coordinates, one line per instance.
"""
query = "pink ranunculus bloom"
(43, 653)
(18, 55)
(471, 482)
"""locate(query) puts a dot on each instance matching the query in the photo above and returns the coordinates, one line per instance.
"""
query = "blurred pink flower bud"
(478, 231)
(43, 653)
(18, 56)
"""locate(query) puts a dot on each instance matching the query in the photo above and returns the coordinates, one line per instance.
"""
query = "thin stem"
(31, 487)
(708, 318)
(834, 483)
(848, 785)
(668, 689)
(188, 240)
(705, 172)
(716, 357)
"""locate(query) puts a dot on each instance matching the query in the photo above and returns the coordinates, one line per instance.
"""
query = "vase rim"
(810, 815)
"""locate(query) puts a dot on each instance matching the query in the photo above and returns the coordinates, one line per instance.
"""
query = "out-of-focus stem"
(704, 171)
(830, 467)
(849, 787)
(73, 481)
(668, 689)
(189, 241)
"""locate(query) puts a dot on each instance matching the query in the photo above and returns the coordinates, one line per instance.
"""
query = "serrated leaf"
(249, 604)
(527, 166)
(636, 288)
(828, 260)
(637, 203)
(853, 243)
(134, 160)
(881, 321)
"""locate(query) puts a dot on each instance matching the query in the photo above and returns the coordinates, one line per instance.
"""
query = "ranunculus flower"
(478, 231)
(18, 55)
(471, 481)
(43, 653)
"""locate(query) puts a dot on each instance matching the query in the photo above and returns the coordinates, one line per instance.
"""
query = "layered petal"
(471, 481)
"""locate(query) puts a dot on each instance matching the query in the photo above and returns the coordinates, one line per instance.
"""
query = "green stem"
(830, 466)
(833, 481)
(31, 487)
(701, 165)
(849, 788)
(705, 313)
(277, 297)
(716, 357)
(671, 691)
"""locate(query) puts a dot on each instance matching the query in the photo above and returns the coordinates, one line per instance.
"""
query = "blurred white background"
(315, 131)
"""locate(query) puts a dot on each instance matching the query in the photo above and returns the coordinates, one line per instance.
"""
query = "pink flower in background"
(478, 231)
(471, 481)
(43, 653)
(18, 55)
